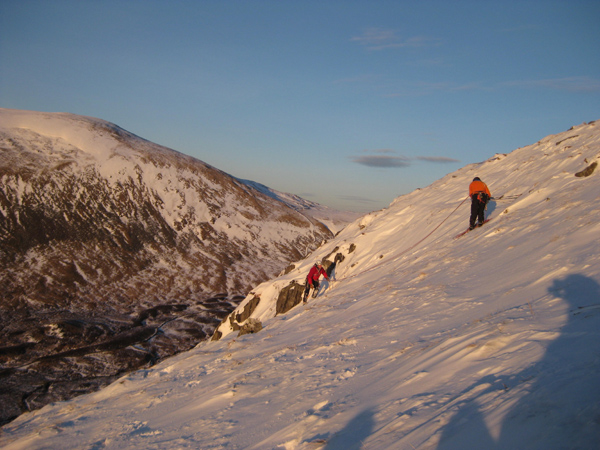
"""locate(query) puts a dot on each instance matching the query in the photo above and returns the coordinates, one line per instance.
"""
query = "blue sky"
(347, 103)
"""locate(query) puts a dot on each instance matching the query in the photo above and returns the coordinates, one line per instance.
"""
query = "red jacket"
(315, 273)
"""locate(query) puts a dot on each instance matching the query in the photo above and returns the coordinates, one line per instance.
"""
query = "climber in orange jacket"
(480, 195)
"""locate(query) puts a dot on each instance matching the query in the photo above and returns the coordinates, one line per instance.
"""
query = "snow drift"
(421, 342)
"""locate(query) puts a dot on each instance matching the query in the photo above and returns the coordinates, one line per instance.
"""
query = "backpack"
(483, 197)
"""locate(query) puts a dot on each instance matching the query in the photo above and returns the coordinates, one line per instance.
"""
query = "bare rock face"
(587, 171)
(116, 252)
(250, 327)
(290, 296)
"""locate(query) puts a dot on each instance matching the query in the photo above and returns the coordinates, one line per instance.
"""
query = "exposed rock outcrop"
(250, 327)
(289, 297)
(588, 170)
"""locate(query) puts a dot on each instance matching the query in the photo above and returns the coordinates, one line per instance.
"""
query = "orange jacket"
(478, 186)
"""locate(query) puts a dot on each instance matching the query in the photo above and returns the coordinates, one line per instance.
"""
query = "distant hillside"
(335, 220)
(106, 239)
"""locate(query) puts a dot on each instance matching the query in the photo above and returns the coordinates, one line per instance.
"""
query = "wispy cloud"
(356, 199)
(574, 84)
(520, 28)
(381, 39)
(437, 159)
(570, 84)
(431, 62)
(381, 159)
(360, 79)
(387, 159)
(406, 89)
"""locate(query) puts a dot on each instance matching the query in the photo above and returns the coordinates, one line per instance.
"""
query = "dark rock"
(248, 310)
(252, 326)
(216, 336)
(290, 296)
(588, 170)
(288, 269)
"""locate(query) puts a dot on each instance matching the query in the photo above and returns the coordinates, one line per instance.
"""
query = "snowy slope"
(491, 341)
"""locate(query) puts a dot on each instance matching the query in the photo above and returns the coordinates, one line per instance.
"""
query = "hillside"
(335, 220)
(423, 341)
(116, 252)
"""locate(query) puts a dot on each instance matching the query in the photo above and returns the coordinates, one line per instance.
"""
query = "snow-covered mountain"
(335, 220)
(106, 239)
(423, 341)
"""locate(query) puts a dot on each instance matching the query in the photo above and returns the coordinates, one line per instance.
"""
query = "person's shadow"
(353, 434)
(560, 407)
(490, 208)
(324, 285)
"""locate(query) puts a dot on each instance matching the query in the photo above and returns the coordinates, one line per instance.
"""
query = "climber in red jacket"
(312, 280)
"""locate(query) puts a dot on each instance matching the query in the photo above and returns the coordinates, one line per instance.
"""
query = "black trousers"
(314, 285)
(477, 211)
